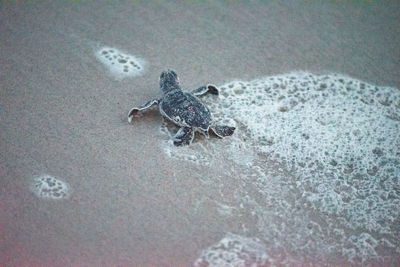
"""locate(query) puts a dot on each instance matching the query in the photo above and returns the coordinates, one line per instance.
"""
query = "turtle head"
(169, 81)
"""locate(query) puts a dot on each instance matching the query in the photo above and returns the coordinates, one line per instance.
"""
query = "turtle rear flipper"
(212, 89)
(184, 136)
(135, 111)
(222, 130)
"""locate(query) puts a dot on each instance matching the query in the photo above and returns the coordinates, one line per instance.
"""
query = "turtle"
(184, 109)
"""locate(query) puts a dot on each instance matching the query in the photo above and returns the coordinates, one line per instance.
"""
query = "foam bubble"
(120, 65)
(225, 210)
(234, 250)
(48, 187)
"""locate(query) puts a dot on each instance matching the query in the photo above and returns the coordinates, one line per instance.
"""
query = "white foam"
(323, 151)
(120, 64)
(363, 246)
(225, 210)
(340, 136)
(234, 250)
(48, 187)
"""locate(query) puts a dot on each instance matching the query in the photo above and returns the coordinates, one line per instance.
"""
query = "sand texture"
(311, 175)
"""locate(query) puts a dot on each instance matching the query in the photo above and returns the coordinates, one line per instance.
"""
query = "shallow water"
(311, 174)
(314, 154)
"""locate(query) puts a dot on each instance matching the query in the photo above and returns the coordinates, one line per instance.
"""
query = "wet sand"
(63, 114)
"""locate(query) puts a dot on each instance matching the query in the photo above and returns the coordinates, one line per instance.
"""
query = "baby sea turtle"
(184, 109)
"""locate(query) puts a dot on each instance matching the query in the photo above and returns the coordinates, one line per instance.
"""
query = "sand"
(63, 114)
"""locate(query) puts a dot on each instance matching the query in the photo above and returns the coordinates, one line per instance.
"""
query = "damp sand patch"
(119, 64)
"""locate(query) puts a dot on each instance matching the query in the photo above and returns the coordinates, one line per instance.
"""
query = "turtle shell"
(184, 109)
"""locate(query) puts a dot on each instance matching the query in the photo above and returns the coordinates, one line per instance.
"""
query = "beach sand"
(63, 114)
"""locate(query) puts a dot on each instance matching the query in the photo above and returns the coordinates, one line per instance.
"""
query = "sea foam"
(49, 187)
(120, 65)
(234, 250)
(338, 135)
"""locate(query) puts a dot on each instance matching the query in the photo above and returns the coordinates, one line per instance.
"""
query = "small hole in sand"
(283, 109)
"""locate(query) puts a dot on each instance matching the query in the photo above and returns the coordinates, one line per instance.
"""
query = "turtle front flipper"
(222, 130)
(212, 89)
(184, 136)
(135, 111)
